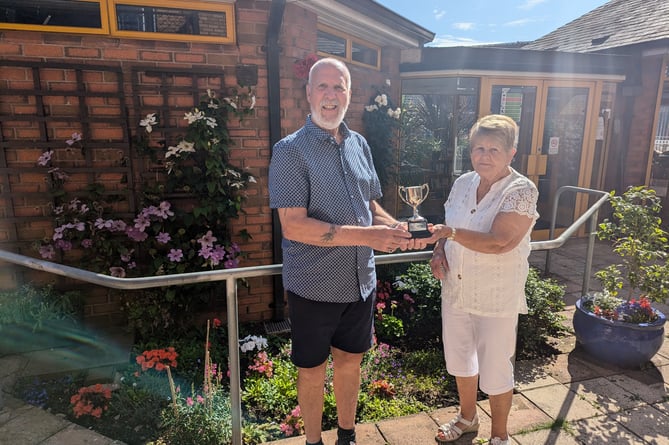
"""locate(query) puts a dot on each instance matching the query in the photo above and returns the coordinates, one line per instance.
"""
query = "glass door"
(554, 142)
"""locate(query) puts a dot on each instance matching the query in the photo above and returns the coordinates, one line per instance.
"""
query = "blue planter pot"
(623, 344)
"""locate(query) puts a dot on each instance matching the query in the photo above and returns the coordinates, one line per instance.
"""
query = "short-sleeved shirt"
(484, 283)
(335, 183)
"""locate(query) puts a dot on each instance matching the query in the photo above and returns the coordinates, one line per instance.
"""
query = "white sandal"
(451, 433)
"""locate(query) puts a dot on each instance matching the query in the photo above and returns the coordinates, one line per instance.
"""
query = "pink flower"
(47, 252)
(175, 255)
(118, 272)
(136, 235)
(189, 401)
(207, 240)
(76, 137)
(163, 238)
(44, 159)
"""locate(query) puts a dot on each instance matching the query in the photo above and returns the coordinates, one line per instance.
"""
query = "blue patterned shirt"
(335, 183)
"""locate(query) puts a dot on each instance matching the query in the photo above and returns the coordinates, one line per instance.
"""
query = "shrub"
(34, 306)
(543, 319)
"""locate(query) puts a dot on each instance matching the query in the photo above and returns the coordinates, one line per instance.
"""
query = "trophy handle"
(401, 190)
(427, 190)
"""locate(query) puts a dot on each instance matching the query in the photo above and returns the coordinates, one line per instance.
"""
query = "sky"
(474, 22)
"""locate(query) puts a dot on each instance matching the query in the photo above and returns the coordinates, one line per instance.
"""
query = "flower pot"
(627, 345)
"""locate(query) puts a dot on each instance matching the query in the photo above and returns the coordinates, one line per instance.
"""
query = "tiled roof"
(615, 24)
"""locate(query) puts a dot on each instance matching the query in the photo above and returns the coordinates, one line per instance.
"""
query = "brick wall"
(639, 144)
(251, 137)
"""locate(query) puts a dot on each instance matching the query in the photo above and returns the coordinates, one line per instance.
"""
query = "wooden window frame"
(104, 20)
(227, 8)
(349, 48)
(108, 19)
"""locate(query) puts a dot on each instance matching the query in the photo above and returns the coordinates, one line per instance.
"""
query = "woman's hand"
(438, 262)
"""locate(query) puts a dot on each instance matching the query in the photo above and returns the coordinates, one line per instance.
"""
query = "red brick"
(42, 50)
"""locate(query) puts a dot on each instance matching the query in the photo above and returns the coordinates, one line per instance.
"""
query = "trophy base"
(418, 229)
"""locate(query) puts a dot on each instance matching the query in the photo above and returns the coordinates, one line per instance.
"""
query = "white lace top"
(484, 283)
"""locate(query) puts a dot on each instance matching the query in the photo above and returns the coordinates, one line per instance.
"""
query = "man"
(323, 183)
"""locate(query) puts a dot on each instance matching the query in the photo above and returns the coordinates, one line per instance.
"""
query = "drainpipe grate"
(277, 327)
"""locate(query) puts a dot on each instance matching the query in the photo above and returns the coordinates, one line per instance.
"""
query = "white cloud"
(438, 14)
(464, 26)
(529, 4)
(520, 22)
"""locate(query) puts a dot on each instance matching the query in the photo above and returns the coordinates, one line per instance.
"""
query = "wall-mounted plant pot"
(626, 345)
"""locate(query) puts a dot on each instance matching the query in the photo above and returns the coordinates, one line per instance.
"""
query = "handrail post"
(588, 257)
(233, 347)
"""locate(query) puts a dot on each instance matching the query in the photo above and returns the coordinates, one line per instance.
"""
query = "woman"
(481, 258)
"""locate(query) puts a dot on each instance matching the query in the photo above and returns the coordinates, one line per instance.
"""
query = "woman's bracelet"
(451, 237)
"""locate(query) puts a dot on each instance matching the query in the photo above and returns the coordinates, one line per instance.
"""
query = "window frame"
(349, 48)
(108, 20)
(227, 8)
(104, 20)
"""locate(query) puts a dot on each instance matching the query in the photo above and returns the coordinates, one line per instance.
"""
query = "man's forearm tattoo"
(329, 235)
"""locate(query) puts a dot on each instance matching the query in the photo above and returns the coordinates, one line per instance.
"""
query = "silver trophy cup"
(414, 196)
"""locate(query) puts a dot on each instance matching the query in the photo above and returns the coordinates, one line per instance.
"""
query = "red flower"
(301, 67)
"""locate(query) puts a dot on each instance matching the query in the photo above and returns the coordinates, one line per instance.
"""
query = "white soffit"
(344, 19)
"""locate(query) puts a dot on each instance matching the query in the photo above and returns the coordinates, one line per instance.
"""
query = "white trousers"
(480, 345)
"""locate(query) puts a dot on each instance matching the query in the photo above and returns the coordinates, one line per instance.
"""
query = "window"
(54, 15)
(334, 43)
(144, 19)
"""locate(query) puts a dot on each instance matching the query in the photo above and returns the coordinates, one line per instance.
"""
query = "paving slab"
(532, 374)
(524, 415)
(407, 430)
(33, 426)
(648, 389)
(604, 396)
(560, 403)
(77, 435)
(603, 430)
(646, 422)
(567, 368)
(546, 437)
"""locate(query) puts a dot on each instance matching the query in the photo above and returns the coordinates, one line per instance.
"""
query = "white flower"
(186, 146)
(253, 102)
(211, 93)
(148, 122)
(213, 105)
(230, 102)
(398, 113)
(251, 342)
(252, 179)
(390, 112)
(194, 117)
(387, 82)
(371, 108)
(182, 147)
(382, 100)
(211, 122)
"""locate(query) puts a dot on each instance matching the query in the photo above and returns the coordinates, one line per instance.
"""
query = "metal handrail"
(230, 276)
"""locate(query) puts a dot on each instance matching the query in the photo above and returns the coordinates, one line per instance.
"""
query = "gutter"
(273, 51)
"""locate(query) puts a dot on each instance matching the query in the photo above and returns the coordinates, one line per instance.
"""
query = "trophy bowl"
(414, 196)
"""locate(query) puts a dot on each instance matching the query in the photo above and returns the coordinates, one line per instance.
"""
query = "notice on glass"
(553, 145)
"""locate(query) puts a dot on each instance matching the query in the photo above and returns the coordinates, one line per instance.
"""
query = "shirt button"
(459, 277)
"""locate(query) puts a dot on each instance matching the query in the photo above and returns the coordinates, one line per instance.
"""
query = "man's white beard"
(327, 124)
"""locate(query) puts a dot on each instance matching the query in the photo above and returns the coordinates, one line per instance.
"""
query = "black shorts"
(316, 326)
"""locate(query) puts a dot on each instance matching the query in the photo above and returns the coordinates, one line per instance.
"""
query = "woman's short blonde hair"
(496, 125)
